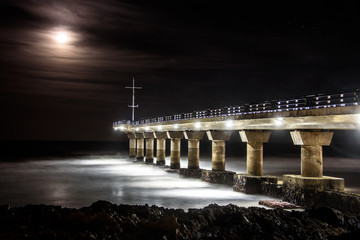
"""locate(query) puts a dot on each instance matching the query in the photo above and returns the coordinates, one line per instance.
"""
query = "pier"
(311, 122)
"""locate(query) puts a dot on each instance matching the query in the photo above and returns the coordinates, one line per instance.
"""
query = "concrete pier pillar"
(303, 190)
(218, 139)
(132, 144)
(160, 147)
(254, 156)
(193, 138)
(175, 150)
(311, 143)
(139, 146)
(218, 155)
(149, 152)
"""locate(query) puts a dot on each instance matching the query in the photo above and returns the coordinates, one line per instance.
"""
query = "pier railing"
(329, 100)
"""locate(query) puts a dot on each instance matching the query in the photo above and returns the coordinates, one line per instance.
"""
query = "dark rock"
(103, 220)
(328, 215)
(165, 227)
(101, 206)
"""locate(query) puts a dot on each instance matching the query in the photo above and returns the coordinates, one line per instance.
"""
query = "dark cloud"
(186, 54)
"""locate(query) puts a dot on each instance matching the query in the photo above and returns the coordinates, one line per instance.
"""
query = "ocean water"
(78, 181)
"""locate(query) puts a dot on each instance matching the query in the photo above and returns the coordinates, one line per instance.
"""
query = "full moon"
(61, 37)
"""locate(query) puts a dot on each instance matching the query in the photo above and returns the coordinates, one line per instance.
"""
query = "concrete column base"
(160, 162)
(254, 156)
(315, 183)
(170, 170)
(218, 155)
(160, 154)
(139, 147)
(191, 173)
(304, 190)
(149, 160)
(175, 164)
(132, 144)
(160, 147)
(222, 177)
(194, 138)
(175, 149)
(251, 184)
(311, 143)
(149, 153)
(132, 152)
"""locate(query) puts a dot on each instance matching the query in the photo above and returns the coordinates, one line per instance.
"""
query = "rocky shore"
(103, 220)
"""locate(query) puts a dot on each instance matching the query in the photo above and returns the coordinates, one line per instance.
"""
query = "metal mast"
(133, 106)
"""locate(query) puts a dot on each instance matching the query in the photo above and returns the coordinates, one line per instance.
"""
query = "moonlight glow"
(61, 37)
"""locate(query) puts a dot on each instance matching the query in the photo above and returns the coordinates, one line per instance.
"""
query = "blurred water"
(80, 181)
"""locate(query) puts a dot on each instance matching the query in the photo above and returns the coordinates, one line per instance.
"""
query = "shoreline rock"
(104, 220)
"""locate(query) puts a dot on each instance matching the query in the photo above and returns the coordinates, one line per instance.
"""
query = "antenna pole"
(133, 106)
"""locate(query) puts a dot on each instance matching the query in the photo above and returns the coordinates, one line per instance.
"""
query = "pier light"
(147, 128)
(122, 128)
(176, 126)
(137, 129)
(228, 123)
(159, 127)
(197, 124)
(279, 121)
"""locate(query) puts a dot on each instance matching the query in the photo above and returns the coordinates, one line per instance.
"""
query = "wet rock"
(165, 227)
(103, 220)
(328, 215)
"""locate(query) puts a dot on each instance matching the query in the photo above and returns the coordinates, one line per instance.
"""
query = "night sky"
(187, 55)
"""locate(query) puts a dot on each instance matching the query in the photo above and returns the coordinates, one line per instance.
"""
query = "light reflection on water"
(80, 182)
